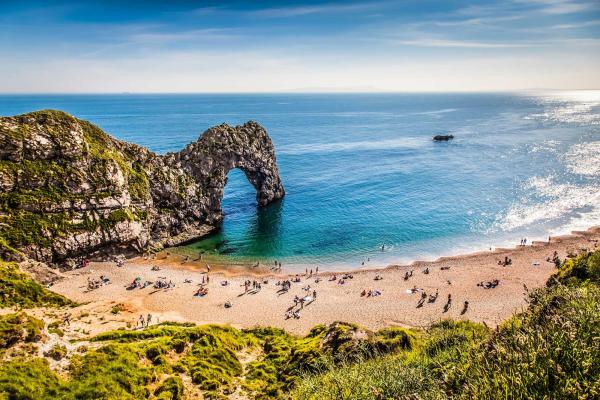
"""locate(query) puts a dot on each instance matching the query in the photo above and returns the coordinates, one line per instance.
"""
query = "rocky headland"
(68, 189)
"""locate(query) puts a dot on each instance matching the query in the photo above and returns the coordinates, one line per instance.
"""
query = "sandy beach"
(395, 306)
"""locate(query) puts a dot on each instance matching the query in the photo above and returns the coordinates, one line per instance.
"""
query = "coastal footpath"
(68, 189)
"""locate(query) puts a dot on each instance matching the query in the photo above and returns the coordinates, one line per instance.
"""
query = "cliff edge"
(69, 189)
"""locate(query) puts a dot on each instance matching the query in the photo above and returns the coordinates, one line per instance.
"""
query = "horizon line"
(291, 92)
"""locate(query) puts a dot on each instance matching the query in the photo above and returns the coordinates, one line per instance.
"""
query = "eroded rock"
(69, 189)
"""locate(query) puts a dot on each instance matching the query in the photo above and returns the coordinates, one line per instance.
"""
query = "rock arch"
(96, 195)
(223, 148)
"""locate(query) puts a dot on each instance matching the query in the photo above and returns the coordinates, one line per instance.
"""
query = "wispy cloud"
(584, 24)
(460, 43)
(286, 12)
(184, 36)
(559, 7)
(481, 21)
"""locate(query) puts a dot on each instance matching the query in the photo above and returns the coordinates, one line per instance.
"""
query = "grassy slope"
(551, 351)
(19, 289)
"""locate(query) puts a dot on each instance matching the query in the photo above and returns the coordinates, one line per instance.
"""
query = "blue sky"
(266, 46)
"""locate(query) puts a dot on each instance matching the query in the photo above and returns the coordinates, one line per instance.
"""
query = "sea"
(361, 171)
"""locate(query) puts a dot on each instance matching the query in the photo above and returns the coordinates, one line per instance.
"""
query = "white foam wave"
(436, 112)
(583, 159)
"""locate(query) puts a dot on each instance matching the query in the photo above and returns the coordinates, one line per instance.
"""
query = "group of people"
(524, 241)
(370, 293)
(285, 285)
(138, 283)
(555, 259)
(163, 284)
(489, 284)
(144, 322)
(256, 285)
(507, 261)
(96, 283)
(82, 263)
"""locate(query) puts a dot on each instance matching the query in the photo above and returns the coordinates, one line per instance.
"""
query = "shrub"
(170, 389)
(19, 327)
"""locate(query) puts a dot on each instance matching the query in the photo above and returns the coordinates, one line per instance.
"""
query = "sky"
(55, 46)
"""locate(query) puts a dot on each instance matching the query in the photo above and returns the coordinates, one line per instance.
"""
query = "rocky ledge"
(69, 189)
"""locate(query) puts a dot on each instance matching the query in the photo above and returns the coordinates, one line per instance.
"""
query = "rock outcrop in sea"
(69, 189)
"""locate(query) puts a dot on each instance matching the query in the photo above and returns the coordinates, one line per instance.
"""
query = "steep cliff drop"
(69, 189)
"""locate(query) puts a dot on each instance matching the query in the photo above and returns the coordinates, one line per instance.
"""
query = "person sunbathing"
(433, 297)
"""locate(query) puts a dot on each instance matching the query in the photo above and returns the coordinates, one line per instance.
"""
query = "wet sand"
(396, 306)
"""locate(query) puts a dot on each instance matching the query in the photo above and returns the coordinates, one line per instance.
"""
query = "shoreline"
(245, 267)
(457, 276)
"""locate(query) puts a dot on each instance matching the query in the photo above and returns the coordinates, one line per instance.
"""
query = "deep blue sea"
(361, 170)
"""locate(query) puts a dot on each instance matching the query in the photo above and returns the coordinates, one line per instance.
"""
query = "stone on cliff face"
(69, 189)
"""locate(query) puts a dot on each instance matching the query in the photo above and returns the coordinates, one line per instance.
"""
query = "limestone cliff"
(69, 189)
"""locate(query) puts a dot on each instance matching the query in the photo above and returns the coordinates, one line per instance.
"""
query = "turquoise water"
(361, 170)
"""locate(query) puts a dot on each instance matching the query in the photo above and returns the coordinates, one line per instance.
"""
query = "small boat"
(442, 138)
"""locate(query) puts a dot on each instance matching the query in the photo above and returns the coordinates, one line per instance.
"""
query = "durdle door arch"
(223, 148)
(101, 196)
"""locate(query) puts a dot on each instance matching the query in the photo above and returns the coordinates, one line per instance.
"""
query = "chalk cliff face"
(69, 189)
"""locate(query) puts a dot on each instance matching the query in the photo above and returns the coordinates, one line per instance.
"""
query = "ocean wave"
(436, 112)
(387, 144)
(563, 201)
(583, 159)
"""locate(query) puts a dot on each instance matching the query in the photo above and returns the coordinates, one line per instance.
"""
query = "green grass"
(19, 327)
(550, 351)
(18, 289)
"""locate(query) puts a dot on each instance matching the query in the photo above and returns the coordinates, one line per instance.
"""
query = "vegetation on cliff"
(58, 174)
(219, 361)
(68, 189)
(550, 351)
(19, 289)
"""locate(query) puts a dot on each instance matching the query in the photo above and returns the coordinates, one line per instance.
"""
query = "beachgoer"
(465, 307)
